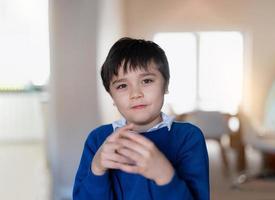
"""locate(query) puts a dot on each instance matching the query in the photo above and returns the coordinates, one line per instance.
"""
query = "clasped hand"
(133, 153)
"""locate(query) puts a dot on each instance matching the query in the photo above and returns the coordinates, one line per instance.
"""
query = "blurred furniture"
(214, 125)
(237, 143)
(261, 138)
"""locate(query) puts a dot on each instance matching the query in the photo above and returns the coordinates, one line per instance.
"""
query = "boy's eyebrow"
(147, 74)
(118, 81)
(141, 75)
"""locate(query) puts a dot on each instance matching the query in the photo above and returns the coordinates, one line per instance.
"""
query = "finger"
(127, 127)
(118, 158)
(133, 155)
(110, 147)
(132, 145)
(118, 132)
(129, 168)
(138, 138)
(109, 164)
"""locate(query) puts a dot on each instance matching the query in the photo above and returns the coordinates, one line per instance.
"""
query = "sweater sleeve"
(191, 177)
(88, 186)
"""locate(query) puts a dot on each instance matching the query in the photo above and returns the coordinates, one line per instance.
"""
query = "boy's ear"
(166, 90)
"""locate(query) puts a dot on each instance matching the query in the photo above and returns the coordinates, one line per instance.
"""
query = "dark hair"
(133, 54)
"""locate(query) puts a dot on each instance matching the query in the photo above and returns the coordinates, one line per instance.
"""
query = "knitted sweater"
(184, 146)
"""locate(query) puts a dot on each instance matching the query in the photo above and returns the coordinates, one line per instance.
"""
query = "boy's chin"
(137, 123)
(142, 119)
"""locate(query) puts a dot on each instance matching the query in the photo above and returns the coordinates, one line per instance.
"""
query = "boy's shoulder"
(186, 129)
(100, 133)
(105, 128)
(187, 136)
(185, 125)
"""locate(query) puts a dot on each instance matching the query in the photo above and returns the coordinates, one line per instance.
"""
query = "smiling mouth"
(137, 107)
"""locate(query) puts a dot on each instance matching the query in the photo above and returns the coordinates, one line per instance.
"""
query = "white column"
(73, 104)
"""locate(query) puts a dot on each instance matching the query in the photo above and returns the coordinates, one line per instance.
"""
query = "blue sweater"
(183, 145)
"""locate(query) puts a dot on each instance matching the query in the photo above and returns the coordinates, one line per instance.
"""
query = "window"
(24, 43)
(206, 70)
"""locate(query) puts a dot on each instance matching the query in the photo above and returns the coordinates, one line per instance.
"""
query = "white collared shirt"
(166, 122)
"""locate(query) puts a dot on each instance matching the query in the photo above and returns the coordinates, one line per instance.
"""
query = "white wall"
(73, 87)
(110, 29)
(81, 33)
(254, 18)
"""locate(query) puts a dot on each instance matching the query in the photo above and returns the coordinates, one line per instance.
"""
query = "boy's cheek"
(111, 93)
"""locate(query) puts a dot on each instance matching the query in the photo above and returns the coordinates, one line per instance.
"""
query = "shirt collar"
(166, 122)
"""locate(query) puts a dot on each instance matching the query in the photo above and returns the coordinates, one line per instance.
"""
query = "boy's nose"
(136, 93)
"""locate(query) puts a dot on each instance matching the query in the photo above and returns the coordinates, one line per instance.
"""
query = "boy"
(145, 155)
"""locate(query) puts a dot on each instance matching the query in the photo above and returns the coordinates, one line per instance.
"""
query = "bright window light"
(24, 43)
(180, 49)
(206, 70)
(220, 71)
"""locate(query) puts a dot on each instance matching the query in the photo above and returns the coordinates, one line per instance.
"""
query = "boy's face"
(139, 94)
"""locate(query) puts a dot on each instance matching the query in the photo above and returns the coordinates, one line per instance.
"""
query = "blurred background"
(222, 61)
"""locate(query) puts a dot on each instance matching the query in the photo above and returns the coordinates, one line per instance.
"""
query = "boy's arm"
(191, 177)
(88, 185)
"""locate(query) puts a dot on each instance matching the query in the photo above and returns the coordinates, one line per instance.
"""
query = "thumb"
(117, 133)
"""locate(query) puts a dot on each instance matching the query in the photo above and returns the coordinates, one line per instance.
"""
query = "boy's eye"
(121, 86)
(146, 81)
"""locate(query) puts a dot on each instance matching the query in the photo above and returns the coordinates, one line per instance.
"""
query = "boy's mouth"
(137, 107)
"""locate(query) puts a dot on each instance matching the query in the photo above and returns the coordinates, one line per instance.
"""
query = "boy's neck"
(141, 128)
